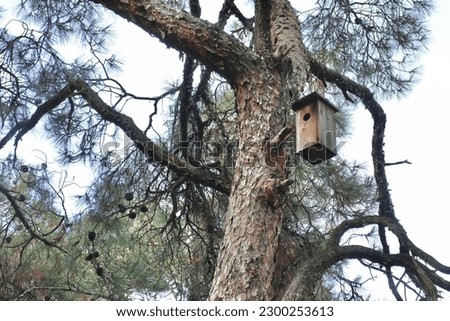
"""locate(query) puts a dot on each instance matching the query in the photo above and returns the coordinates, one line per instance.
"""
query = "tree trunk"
(246, 264)
(265, 81)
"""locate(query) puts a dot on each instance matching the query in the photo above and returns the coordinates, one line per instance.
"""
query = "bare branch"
(153, 152)
(398, 163)
(23, 127)
(18, 212)
(424, 276)
(379, 123)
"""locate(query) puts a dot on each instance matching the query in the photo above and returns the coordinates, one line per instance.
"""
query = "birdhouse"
(315, 128)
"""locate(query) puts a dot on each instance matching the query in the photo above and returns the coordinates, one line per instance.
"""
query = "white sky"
(417, 130)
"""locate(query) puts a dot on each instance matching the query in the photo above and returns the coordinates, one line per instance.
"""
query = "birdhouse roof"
(312, 97)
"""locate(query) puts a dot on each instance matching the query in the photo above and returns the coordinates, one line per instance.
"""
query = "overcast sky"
(418, 130)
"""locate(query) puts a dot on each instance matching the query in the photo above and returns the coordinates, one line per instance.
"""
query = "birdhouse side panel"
(307, 133)
(326, 126)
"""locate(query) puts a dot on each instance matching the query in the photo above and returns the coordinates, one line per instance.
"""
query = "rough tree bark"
(246, 268)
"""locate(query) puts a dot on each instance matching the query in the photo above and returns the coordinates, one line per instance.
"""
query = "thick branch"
(379, 119)
(386, 206)
(25, 126)
(437, 280)
(153, 152)
(288, 47)
(263, 41)
(362, 252)
(184, 32)
(360, 222)
(430, 260)
(424, 277)
(185, 103)
(396, 229)
(312, 270)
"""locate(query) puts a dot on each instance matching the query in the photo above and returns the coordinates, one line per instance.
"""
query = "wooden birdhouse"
(315, 128)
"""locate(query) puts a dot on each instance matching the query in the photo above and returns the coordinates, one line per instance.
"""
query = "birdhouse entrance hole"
(307, 117)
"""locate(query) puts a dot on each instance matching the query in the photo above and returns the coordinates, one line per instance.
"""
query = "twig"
(398, 163)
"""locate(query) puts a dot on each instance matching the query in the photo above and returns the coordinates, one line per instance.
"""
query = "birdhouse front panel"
(307, 133)
(315, 128)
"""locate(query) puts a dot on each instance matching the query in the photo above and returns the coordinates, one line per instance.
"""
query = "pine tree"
(217, 206)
